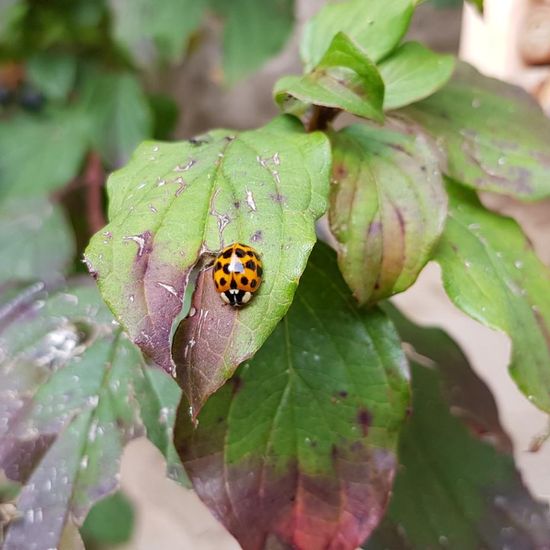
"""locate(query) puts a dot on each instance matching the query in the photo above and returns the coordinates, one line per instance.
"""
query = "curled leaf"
(387, 206)
(376, 26)
(345, 78)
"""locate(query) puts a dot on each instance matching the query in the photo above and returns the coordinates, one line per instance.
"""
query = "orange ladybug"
(237, 273)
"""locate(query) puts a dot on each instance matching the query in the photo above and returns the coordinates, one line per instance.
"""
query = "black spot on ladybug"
(253, 283)
(227, 253)
(240, 252)
(244, 281)
(218, 266)
(250, 265)
(223, 282)
(250, 253)
(260, 270)
(233, 284)
(364, 418)
(226, 269)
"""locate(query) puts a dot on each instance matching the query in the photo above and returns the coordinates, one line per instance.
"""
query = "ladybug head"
(236, 297)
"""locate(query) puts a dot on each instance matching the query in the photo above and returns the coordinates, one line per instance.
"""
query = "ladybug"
(237, 273)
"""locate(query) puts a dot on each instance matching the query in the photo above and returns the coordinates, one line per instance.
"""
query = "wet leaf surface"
(41, 153)
(387, 206)
(345, 78)
(454, 489)
(175, 205)
(496, 136)
(413, 72)
(299, 445)
(376, 27)
(492, 274)
(73, 391)
(37, 241)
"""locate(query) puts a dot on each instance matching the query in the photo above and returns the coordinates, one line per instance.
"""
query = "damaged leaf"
(300, 445)
(495, 135)
(387, 206)
(345, 78)
(454, 490)
(176, 205)
(73, 391)
(375, 26)
(492, 274)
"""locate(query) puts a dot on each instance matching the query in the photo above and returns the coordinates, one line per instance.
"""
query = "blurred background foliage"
(82, 83)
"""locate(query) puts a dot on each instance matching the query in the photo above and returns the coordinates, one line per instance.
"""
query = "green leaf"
(492, 274)
(387, 206)
(120, 112)
(41, 153)
(254, 32)
(165, 115)
(466, 395)
(299, 445)
(52, 73)
(472, 117)
(37, 240)
(376, 27)
(110, 521)
(345, 78)
(73, 391)
(161, 29)
(453, 490)
(413, 72)
(477, 4)
(174, 206)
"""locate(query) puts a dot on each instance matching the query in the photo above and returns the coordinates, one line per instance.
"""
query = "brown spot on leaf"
(278, 198)
(339, 171)
(257, 236)
(364, 418)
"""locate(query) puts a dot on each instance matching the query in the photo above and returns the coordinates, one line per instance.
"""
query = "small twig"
(94, 178)
(321, 117)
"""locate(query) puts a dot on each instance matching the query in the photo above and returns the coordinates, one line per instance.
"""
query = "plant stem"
(94, 178)
(321, 117)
